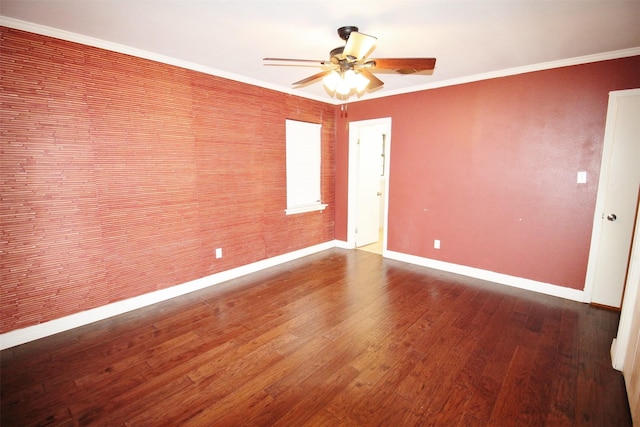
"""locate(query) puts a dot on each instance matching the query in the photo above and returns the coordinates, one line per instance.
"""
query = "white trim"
(115, 47)
(352, 180)
(605, 166)
(630, 306)
(303, 209)
(568, 62)
(343, 245)
(490, 276)
(32, 333)
(140, 53)
(35, 332)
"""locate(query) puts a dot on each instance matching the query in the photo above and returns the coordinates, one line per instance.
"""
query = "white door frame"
(602, 186)
(630, 306)
(352, 188)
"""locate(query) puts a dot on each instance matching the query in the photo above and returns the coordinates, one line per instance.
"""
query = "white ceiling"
(470, 39)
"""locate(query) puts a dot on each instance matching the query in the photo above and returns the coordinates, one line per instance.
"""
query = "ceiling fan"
(349, 70)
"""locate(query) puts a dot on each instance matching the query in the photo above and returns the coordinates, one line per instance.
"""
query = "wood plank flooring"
(337, 338)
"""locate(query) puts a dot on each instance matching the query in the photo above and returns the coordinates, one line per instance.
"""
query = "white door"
(369, 192)
(364, 127)
(625, 349)
(616, 204)
(631, 370)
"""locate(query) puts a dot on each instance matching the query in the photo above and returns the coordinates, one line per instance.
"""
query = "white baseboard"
(490, 276)
(32, 333)
(343, 245)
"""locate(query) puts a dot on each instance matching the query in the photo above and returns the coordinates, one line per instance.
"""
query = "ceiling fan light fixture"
(331, 81)
(349, 71)
(349, 76)
(345, 82)
(343, 87)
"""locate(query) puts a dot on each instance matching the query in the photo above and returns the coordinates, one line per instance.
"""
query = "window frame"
(303, 166)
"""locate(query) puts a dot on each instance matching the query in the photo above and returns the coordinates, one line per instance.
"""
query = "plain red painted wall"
(120, 176)
(489, 168)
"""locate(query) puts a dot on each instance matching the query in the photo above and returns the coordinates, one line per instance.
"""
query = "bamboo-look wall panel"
(120, 176)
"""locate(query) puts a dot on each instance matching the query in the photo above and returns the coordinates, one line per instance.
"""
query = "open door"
(614, 218)
(370, 153)
(631, 368)
(369, 147)
(625, 349)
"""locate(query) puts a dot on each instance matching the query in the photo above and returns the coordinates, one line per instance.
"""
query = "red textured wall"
(489, 168)
(121, 176)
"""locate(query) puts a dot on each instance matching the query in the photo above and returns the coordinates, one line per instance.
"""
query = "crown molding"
(115, 47)
(578, 60)
(144, 54)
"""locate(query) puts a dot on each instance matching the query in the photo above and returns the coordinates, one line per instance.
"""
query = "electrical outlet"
(219, 253)
(436, 244)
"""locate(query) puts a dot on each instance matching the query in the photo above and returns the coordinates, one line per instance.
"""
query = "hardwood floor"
(337, 338)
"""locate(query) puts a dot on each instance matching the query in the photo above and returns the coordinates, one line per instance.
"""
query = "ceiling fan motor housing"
(349, 62)
(336, 52)
(344, 32)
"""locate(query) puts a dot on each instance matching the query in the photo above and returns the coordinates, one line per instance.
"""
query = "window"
(303, 167)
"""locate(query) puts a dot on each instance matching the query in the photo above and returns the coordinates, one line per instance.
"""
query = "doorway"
(615, 212)
(369, 148)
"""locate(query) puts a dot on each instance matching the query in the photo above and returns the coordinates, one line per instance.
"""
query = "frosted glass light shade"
(331, 81)
(345, 82)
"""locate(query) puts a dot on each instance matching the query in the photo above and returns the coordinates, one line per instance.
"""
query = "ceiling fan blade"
(359, 45)
(312, 78)
(315, 61)
(374, 82)
(403, 65)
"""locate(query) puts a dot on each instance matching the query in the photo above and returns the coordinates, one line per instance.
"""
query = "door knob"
(612, 217)
(379, 193)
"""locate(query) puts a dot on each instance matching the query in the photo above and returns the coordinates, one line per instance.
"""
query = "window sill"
(303, 209)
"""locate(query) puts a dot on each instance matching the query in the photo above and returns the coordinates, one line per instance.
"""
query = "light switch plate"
(582, 177)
